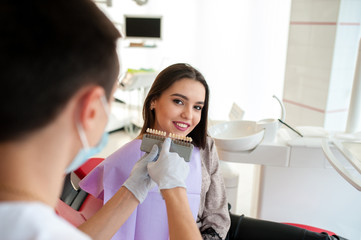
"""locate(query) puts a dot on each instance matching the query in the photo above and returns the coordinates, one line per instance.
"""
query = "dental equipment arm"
(338, 165)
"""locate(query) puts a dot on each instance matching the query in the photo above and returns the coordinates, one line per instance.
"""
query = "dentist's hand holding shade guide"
(170, 170)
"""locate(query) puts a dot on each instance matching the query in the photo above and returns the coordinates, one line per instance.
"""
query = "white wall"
(239, 45)
(242, 51)
(321, 57)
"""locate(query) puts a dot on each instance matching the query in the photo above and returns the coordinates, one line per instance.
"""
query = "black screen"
(143, 27)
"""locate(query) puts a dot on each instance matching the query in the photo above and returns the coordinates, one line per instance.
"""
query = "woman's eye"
(177, 101)
(198, 107)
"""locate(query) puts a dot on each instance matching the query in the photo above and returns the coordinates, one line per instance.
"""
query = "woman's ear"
(152, 106)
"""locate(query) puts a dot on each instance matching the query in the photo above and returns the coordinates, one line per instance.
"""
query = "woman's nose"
(187, 113)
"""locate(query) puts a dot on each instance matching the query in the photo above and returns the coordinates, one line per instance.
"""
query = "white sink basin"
(237, 135)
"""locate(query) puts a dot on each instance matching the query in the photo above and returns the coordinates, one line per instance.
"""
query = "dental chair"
(244, 228)
(76, 206)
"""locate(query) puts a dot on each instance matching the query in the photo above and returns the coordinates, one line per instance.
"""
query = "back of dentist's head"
(48, 51)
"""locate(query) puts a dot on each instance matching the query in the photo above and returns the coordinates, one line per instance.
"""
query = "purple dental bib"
(149, 219)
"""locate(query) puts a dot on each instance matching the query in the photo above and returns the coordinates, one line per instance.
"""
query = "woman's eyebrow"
(185, 97)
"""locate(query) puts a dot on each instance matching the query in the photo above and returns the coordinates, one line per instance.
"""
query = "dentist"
(58, 72)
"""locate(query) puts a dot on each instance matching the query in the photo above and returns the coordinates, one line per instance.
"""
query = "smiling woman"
(176, 103)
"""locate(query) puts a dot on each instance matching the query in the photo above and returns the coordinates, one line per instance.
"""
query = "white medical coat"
(35, 221)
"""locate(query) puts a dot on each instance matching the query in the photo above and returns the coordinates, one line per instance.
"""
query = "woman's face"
(178, 109)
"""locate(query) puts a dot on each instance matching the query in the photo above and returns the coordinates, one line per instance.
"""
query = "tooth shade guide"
(180, 144)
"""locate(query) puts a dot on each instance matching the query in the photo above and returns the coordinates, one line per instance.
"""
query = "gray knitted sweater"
(213, 210)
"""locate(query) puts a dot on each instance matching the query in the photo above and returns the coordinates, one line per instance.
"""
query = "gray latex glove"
(170, 170)
(139, 182)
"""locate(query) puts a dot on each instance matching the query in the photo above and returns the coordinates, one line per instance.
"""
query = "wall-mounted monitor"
(143, 27)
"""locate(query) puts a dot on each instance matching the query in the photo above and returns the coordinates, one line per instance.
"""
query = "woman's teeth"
(182, 125)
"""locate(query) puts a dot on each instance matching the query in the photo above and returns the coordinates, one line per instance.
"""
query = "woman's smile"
(181, 125)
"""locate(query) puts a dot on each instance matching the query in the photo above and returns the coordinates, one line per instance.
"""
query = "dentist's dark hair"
(48, 51)
(162, 82)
